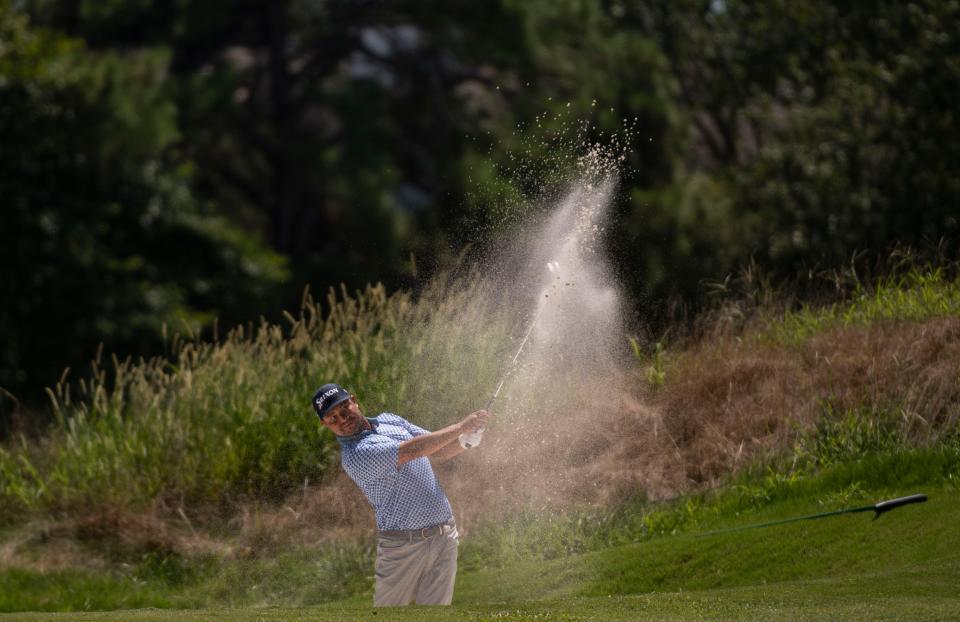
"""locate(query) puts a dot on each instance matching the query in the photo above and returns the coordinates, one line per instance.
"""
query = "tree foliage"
(102, 238)
(168, 162)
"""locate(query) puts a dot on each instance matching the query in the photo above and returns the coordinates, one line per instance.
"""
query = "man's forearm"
(428, 444)
(447, 451)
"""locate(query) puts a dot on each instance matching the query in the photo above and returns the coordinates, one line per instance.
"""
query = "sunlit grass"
(916, 543)
(914, 296)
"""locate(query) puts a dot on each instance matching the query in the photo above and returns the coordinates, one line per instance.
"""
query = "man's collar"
(356, 437)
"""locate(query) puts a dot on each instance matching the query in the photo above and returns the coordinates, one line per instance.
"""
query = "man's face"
(345, 419)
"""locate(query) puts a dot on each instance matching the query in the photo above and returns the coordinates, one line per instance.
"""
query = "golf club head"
(886, 506)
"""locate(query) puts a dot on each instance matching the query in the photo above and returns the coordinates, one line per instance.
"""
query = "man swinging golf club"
(389, 459)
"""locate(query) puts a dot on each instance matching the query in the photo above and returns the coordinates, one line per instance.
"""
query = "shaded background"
(181, 163)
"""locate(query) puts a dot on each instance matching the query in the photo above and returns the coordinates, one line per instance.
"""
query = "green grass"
(77, 591)
(913, 537)
(905, 565)
(302, 576)
(146, 432)
(800, 483)
(914, 296)
(639, 548)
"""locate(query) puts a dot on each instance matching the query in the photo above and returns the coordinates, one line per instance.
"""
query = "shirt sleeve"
(373, 459)
(415, 430)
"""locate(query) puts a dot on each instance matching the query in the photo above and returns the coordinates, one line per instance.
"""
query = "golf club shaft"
(879, 508)
(513, 361)
(472, 440)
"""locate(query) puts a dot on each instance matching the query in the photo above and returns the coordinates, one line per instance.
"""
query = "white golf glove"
(471, 440)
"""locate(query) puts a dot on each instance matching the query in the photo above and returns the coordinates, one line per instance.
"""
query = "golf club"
(472, 440)
(878, 508)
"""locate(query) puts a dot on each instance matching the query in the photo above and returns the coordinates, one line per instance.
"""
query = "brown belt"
(418, 534)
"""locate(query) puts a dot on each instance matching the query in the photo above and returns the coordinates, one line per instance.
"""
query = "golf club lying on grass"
(879, 508)
(472, 440)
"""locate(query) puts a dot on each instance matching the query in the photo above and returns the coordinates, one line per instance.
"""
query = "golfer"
(388, 458)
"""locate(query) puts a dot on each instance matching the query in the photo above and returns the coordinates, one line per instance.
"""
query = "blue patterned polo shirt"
(409, 497)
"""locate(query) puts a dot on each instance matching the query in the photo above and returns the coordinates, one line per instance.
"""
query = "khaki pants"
(419, 568)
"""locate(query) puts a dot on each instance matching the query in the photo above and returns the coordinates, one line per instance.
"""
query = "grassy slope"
(904, 566)
(847, 546)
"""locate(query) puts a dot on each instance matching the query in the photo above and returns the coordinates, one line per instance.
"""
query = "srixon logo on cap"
(323, 398)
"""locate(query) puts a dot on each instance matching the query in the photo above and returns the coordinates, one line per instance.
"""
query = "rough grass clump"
(231, 419)
(891, 349)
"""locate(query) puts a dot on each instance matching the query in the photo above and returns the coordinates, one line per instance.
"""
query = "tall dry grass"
(229, 424)
(223, 421)
(763, 379)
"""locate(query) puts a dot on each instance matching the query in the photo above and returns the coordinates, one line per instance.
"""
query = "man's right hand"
(433, 443)
(474, 422)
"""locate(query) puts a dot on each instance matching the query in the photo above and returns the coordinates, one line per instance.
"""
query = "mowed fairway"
(905, 566)
(919, 594)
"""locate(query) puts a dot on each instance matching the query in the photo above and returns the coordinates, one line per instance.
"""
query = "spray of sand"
(567, 428)
(570, 427)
